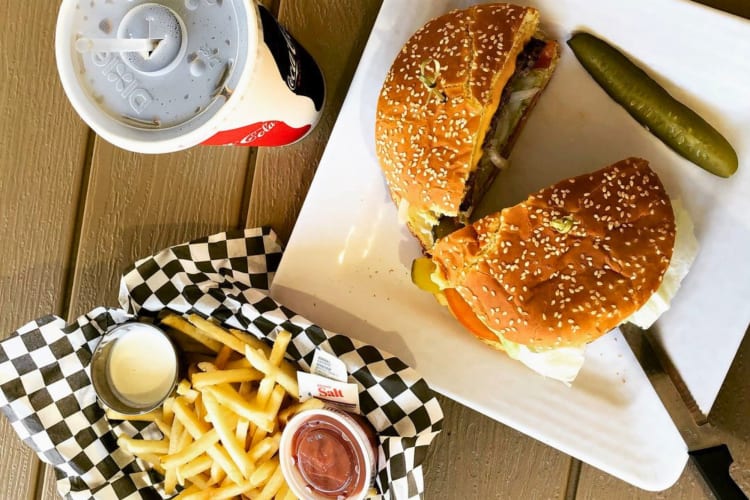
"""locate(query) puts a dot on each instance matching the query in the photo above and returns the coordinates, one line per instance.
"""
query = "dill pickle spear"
(675, 124)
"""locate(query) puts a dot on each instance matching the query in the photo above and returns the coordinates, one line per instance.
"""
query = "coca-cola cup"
(165, 75)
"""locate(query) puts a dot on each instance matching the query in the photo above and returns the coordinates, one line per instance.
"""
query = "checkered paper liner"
(47, 395)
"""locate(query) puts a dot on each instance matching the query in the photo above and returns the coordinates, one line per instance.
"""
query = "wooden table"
(75, 211)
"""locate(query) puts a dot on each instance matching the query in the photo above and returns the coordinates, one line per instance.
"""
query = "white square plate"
(347, 263)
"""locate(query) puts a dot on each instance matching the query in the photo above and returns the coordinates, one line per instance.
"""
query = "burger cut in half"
(543, 278)
(451, 107)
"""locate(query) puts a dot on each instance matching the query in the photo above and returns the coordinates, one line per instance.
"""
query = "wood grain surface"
(75, 211)
(475, 457)
(42, 154)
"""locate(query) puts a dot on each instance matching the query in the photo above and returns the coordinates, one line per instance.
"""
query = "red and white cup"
(165, 75)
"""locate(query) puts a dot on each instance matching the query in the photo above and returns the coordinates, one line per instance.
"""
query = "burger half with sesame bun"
(451, 108)
(543, 278)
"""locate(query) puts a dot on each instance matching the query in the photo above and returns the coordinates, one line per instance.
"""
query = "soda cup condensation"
(166, 75)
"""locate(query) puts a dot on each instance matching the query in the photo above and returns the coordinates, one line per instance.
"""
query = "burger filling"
(683, 255)
(534, 68)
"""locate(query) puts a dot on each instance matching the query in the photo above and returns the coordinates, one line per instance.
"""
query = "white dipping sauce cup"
(134, 368)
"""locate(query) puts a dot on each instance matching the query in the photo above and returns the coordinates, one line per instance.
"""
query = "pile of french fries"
(221, 430)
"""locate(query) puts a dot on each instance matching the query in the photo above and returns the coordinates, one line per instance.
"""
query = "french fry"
(183, 326)
(242, 431)
(185, 390)
(285, 494)
(272, 485)
(230, 491)
(197, 428)
(228, 397)
(164, 427)
(231, 376)
(275, 358)
(267, 446)
(193, 468)
(217, 474)
(222, 358)
(278, 373)
(176, 433)
(263, 473)
(292, 410)
(199, 480)
(206, 366)
(188, 493)
(238, 363)
(143, 446)
(194, 450)
(152, 460)
(272, 407)
(252, 341)
(217, 333)
(199, 495)
(224, 425)
(166, 410)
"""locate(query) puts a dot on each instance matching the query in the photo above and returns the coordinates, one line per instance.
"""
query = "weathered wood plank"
(592, 483)
(335, 33)
(138, 204)
(42, 150)
(476, 457)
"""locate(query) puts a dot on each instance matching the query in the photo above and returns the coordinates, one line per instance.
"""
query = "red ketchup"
(328, 454)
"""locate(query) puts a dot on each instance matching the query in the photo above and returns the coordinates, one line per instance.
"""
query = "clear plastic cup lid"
(153, 70)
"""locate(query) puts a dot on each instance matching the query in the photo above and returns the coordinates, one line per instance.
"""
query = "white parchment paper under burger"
(47, 395)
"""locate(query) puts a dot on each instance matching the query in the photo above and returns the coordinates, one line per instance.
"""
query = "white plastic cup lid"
(152, 76)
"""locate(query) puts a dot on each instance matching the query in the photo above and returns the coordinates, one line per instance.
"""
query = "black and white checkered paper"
(46, 392)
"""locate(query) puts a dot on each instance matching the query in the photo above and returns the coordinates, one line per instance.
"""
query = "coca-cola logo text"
(291, 80)
(256, 134)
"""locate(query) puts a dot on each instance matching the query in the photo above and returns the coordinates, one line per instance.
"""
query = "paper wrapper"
(46, 391)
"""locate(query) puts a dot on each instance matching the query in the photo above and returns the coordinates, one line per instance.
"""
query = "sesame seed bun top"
(568, 264)
(428, 140)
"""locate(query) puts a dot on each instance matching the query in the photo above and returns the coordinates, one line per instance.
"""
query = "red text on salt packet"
(328, 382)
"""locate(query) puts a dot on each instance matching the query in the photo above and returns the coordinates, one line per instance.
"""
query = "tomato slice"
(465, 315)
(548, 53)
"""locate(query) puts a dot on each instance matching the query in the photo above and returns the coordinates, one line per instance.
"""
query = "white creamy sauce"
(142, 366)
